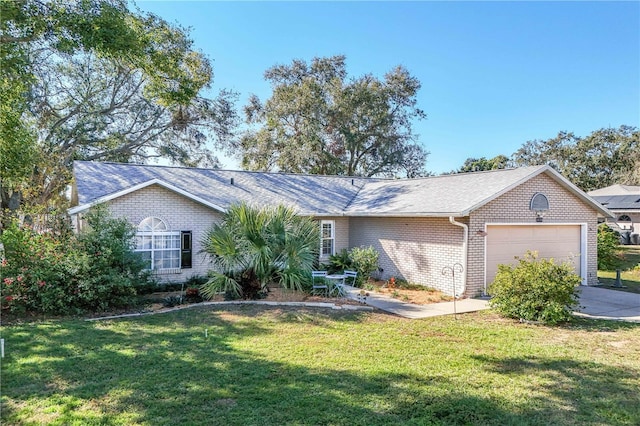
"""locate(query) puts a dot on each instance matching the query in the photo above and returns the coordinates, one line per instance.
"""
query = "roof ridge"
(164, 166)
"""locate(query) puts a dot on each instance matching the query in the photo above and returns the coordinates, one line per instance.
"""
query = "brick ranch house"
(624, 202)
(419, 226)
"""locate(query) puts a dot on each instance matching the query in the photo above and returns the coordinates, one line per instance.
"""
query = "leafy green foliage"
(482, 163)
(365, 261)
(91, 79)
(252, 248)
(605, 157)
(608, 252)
(318, 122)
(114, 270)
(53, 273)
(340, 261)
(535, 290)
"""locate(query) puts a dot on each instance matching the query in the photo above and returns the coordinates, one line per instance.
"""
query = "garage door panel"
(505, 242)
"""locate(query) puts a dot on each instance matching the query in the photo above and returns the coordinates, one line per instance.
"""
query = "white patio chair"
(350, 277)
(321, 284)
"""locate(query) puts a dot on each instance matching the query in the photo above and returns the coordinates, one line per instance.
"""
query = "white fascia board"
(505, 190)
(577, 191)
(558, 178)
(83, 207)
(410, 214)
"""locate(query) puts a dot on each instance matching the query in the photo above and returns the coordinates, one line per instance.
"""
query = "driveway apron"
(601, 303)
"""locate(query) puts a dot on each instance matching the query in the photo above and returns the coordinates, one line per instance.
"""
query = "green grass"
(269, 366)
(629, 276)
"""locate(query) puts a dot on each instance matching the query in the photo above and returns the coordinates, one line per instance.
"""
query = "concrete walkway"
(408, 310)
(602, 303)
(595, 302)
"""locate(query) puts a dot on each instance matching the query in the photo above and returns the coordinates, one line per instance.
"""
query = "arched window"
(159, 247)
(624, 218)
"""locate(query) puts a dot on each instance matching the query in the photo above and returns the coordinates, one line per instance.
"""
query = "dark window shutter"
(186, 249)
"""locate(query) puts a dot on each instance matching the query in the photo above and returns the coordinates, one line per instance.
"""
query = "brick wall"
(178, 212)
(183, 214)
(513, 207)
(416, 249)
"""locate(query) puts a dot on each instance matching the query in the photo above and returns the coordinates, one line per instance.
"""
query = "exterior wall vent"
(540, 205)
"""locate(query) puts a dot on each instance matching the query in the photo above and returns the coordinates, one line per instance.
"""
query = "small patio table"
(337, 284)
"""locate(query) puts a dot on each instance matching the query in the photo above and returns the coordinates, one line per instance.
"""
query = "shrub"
(365, 261)
(339, 262)
(535, 290)
(114, 270)
(252, 248)
(60, 273)
(40, 271)
(608, 253)
(192, 295)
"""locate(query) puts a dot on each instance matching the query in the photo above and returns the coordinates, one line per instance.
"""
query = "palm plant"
(252, 248)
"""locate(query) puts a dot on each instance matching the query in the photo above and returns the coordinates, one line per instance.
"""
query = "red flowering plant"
(192, 295)
(32, 260)
(391, 283)
(63, 273)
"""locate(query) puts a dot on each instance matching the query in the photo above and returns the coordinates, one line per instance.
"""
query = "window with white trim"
(159, 247)
(327, 238)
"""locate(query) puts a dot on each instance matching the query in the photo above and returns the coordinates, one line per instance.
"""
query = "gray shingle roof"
(616, 190)
(619, 202)
(449, 195)
(618, 197)
(309, 194)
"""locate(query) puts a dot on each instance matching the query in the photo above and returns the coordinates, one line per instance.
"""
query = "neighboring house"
(419, 226)
(624, 202)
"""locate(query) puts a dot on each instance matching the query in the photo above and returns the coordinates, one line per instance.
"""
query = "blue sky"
(494, 74)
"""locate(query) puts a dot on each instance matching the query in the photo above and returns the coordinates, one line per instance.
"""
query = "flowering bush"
(36, 270)
(192, 295)
(66, 274)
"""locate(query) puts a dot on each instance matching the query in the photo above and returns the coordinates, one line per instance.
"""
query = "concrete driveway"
(602, 303)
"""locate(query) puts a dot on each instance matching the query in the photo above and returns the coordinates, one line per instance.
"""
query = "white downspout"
(465, 248)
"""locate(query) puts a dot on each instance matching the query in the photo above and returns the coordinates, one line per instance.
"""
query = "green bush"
(39, 271)
(365, 262)
(535, 290)
(339, 262)
(608, 253)
(56, 273)
(114, 270)
(252, 248)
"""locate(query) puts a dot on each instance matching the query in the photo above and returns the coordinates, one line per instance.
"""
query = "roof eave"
(408, 214)
(558, 178)
(79, 209)
(577, 191)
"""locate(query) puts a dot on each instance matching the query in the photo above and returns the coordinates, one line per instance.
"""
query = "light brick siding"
(183, 214)
(341, 233)
(513, 207)
(178, 212)
(416, 249)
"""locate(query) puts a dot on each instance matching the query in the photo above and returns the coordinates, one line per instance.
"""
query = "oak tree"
(318, 121)
(605, 157)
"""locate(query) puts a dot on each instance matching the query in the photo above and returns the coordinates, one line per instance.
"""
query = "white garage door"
(560, 242)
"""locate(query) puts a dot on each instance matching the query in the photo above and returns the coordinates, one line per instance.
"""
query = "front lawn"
(630, 271)
(251, 365)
